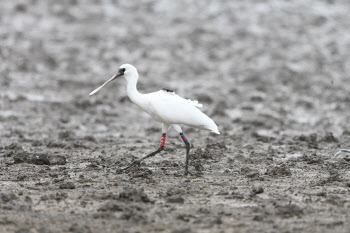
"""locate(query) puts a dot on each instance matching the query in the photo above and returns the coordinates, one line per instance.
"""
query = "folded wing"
(173, 109)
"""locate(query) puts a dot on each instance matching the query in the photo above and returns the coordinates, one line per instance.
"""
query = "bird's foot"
(342, 151)
(187, 173)
(134, 163)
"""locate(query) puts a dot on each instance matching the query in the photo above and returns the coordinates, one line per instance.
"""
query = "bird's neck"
(133, 94)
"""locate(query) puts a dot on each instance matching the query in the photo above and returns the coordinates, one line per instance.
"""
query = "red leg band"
(162, 140)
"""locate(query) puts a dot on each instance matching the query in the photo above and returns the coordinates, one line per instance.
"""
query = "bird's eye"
(121, 71)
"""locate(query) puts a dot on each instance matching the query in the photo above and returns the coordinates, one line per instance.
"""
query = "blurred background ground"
(274, 75)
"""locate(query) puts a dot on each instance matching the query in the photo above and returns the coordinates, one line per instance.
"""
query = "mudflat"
(273, 75)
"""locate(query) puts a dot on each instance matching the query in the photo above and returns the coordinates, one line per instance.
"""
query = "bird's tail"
(215, 131)
(212, 127)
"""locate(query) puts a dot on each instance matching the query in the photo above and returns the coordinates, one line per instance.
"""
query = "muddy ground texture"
(274, 75)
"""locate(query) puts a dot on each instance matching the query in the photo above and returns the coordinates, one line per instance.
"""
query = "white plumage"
(169, 108)
(166, 107)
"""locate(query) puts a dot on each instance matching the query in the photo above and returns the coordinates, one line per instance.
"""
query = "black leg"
(188, 147)
(138, 161)
(187, 158)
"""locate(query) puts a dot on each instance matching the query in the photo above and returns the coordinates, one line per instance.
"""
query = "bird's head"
(128, 71)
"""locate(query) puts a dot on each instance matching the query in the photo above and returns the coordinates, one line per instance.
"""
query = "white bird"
(166, 107)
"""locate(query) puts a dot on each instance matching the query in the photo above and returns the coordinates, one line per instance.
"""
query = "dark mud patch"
(176, 200)
(288, 211)
(67, 185)
(39, 159)
(278, 171)
(134, 195)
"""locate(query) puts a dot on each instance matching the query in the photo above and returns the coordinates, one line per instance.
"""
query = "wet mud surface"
(273, 75)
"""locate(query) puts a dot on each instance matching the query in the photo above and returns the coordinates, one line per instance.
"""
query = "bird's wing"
(166, 91)
(170, 108)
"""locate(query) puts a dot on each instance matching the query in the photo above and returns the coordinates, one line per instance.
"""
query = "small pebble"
(67, 185)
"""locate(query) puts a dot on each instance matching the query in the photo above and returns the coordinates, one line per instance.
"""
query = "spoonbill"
(165, 107)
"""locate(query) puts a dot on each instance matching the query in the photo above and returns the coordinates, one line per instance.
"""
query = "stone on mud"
(66, 135)
(329, 138)
(288, 211)
(14, 146)
(311, 140)
(133, 215)
(176, 199)
(182, 230)
(257, 190)
(112, 205)
(23, 230)
(175, 191)
(279, 171)
(142, 173)
(7, 197)
(67, 185)
(202, 154)
(58, 196)
(134, 195)
(28, 199)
